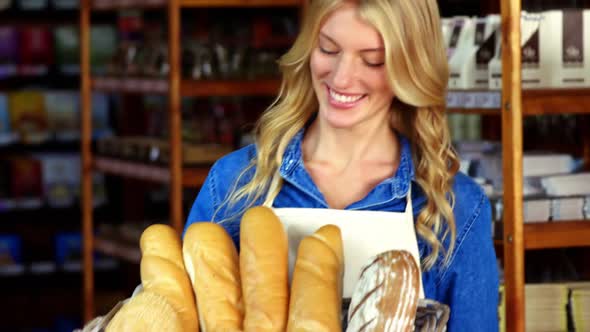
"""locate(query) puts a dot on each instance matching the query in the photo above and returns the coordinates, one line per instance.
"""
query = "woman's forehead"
(345, 26)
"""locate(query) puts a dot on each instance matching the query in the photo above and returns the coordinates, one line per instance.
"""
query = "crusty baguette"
(211, 261)
(264, 271)
(163, 272)
(316, 289)
(386, 296)
(146, 312)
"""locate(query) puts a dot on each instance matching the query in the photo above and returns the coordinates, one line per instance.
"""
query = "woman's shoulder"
(229, 167)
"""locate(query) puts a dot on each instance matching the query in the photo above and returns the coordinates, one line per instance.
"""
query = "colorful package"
(10, 250)
(67, 49)
(100, 115)
(28, 116)
(63, 114)
(103, 39)
(26, 181)
(61, 178)
(8, 51)
(35, 50)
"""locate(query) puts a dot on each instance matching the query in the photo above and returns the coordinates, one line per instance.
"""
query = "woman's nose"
(343, 72)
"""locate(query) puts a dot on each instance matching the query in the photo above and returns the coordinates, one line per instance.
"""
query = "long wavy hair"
(418, 74)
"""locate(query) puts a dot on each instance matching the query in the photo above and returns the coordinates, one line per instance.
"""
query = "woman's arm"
(470, 284)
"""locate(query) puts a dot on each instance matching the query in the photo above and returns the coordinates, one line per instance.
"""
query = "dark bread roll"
(386, 296)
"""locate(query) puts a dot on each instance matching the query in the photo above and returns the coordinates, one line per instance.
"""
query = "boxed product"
(26, 184)
(8, 51)
(565, 38)
(100, 115)
(103, 39)
(28, 116)
(35, 50)
(7, 136)
(5, 4)
(65, 4)
(11, 261)
(67, 49)
(61, 178)
(68, 251)
(32, 4)
(63, 114)
(469, 62)
(495, 64)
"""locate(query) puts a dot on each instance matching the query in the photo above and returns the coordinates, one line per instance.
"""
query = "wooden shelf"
(127, 4)
(130, 85)
(191, 177)
(264, 87)
(239, 3)
(557, 234)
(556, 101)
(126, 251)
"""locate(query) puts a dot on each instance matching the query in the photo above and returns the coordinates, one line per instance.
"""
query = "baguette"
(211, 262)
(316, 289)
(264, 271)
(386, 294)
(146, 312)
(162, 272)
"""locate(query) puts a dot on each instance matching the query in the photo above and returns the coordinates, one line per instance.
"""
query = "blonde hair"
(417, 63)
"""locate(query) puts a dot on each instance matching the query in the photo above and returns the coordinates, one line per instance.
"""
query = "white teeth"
(344, 99)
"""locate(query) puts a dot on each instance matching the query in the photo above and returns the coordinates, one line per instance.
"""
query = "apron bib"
(364, 235)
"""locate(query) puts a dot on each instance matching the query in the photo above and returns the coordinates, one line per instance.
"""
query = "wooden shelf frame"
(557, 234)
(174, 87)
(192, 177)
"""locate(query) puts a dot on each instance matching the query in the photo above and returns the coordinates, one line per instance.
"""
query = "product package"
(63, 114)
(7, 136)
(11, 262)
(35, 51)
(67, 49)
(8, 51)
(469, 62)
(28, 116)
(32, 4)
(26, 182)
(65, 4)
(103, 39)
(61, 178)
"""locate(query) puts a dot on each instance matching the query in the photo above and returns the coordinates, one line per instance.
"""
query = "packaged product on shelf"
(32, 4)
(35, 50)
(11, 262)
(103, 39)
(8, 51)
(534, 69)
(29, 116)
(67, 49)
(100, 116)
(5, 4)
(26, 184)
(63, 114)
(469, 62)
(68, 253)
(65, 4)
(7, 136)
(566, 48)
(61, 178)
(495, 64)
(447, 25)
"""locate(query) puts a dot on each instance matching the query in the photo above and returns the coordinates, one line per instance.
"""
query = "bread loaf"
(211, 261)
(163, 272)
(316, 288)
(385, 298)
(146, 312)
(264, 271)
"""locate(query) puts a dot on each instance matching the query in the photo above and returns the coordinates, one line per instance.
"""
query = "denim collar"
(293, 171)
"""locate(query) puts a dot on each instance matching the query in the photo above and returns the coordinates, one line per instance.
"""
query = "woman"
(359, 124)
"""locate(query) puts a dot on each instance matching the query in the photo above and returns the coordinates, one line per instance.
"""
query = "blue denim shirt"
(468, 284)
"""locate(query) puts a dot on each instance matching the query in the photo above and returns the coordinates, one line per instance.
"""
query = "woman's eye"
(374, 64)
(326, 51)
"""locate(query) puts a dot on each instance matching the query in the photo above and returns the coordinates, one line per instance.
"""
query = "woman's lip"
(338, 104)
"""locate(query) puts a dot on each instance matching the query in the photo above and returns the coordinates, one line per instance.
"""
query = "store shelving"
(174, 87)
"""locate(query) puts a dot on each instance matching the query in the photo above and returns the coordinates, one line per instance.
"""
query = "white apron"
(364, 235)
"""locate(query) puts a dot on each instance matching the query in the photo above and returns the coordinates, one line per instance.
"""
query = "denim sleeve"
(470, 283)
(205, 203)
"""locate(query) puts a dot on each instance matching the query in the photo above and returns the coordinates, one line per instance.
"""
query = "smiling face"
(348, 71)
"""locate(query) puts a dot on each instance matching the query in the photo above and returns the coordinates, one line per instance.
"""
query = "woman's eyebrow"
(375, 49)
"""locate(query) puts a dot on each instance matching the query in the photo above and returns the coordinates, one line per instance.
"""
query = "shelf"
(130, 85)
(191, 177)
(188, 88)
(556, 101)
(557, 234)
(127, 4)
(239, 3)
(263, 87)
(126, 251)
(534, 102)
